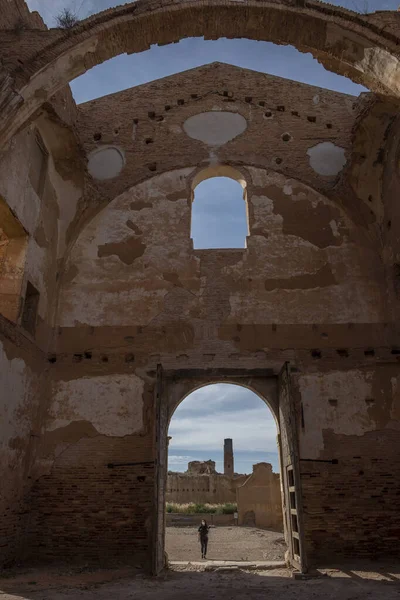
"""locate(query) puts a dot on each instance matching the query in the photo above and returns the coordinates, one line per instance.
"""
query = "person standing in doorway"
(203, 538)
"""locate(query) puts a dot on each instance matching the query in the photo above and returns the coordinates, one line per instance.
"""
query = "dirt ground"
(226, 543)
(348, 584)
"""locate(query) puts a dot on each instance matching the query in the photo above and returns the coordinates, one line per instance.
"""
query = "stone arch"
(345, 42)
(264, 388)
(219, 170)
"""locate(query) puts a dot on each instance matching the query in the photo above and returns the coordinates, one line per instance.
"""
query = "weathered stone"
(123, 318)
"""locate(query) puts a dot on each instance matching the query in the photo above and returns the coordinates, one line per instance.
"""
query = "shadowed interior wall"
(183, 306)
(22, 391)
(121, 290)
(34, 226)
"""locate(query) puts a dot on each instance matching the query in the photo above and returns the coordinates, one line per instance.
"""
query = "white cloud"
(179, 460)
(221, 411)
(222, 396)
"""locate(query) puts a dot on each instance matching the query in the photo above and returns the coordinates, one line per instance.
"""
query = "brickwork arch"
(263, 387)
(361, 47)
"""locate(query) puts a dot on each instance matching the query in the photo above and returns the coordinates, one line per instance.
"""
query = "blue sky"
(208, 416)
(219, 200)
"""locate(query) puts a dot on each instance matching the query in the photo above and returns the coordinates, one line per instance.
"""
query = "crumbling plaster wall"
(23, 389)
(348, 432)
(23, 365)
(300, 131)
(153, 299)
(93, 422)
(349, 403)
(135, 293)
(45, 219)
(134, 264)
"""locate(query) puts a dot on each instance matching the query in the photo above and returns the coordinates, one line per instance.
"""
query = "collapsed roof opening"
(126, 71)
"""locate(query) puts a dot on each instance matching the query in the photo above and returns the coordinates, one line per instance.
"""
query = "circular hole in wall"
(106, 163)
(327, 158)
(286, 137)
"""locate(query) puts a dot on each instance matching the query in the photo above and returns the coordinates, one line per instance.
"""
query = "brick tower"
(228, 458)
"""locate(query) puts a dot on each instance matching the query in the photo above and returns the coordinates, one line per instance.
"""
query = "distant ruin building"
(201, 483)
(259, 499)
(197, 467)
(258, 495)
(204, 488)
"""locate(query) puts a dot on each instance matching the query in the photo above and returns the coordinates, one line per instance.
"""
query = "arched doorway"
(223, 466)
(172, 387)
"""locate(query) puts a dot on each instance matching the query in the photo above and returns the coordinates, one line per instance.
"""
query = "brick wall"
(214, 489)
(308, 288)
(271, 106)
(351, 509)
(84, 511)
(119, 35)
(16, 14)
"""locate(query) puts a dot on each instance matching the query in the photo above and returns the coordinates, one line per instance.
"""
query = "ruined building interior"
(110, 317)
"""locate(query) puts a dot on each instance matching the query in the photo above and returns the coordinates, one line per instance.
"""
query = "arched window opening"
(223, 465)
(219, 214)
(13, 244)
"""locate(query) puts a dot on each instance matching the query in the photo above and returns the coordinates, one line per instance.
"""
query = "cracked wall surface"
(313, 264)
(122, 290)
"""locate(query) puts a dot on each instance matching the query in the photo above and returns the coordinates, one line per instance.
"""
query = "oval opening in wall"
(106, 163)
(215, 128)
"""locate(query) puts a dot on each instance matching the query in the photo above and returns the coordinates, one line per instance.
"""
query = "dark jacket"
(203, 530)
